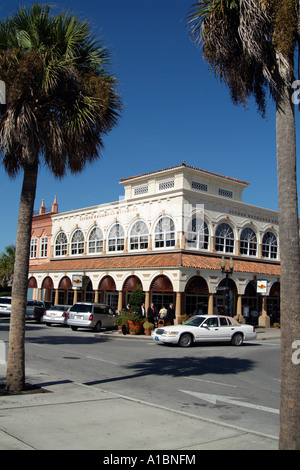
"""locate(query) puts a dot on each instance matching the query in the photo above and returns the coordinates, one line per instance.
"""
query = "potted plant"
(121, 321)
(148, 327)
(137, 297)
(134, 330)
(135, 321)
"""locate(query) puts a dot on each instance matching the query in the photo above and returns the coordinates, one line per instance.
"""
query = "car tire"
(237, 339)
(185, 340)
(74, 328)
(98, 327)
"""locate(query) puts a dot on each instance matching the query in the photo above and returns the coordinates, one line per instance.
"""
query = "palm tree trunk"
(290, 273)
(15, 375)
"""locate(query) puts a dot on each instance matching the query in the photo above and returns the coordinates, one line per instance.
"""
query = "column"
(56, 297)
(75, 296)
(177, 307)
(264, 319)
(210, 310)
(147, 301)
(96, 296)
(120, 301)
(239, 316)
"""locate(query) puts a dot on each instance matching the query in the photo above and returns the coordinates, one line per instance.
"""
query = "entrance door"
(111, 299)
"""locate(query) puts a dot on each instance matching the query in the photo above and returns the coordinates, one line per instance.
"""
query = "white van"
(91, 315)
(5, 305)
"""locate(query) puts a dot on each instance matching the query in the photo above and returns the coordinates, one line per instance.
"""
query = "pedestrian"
(163, 312)
(151, 314)
(142, 311)
(171, 314)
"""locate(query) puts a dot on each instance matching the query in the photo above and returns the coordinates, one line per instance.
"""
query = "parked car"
(56, 314)
(35, 309)
(205, 328)
(5, 305)
(91, 315)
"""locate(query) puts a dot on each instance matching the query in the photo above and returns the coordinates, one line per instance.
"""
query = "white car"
(205, 328)
(57, 314)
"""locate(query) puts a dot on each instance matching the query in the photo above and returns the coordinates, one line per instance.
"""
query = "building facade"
(168, 234)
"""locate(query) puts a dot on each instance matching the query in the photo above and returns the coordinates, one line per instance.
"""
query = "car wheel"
(48, 324)
(186, 340)
(237, 339)
(98, 327)
(74, 328)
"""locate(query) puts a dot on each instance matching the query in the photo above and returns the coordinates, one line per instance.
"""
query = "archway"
(32, 288)
(65, 292)
(47, 289)
(273, 303)
(220, 297)
(161, 291)
(196, 296)
(130, 284)
(108, 292)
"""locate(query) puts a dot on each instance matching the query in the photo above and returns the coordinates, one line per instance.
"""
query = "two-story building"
(168, 234)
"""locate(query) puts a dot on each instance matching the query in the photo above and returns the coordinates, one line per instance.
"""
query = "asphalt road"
(235, 385)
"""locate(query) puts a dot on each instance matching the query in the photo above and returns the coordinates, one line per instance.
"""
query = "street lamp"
(227, 272)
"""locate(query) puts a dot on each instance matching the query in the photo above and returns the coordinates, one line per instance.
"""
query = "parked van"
(91, 315)
(5, 305)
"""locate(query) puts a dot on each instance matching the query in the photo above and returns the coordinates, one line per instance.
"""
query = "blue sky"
(174, 110)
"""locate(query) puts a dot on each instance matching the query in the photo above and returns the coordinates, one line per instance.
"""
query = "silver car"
(57, 314)
(5, 305)
(91, 315)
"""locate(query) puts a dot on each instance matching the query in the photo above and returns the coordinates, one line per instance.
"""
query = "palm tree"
(7, 261)
(252, 46)
(60, 102)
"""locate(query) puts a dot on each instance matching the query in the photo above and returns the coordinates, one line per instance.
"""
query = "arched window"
(139, 236)
(197, 236)
(77, 243)
(164, 233)
(224, 238)
(116, 238)
(269, 246)
(61, 244)
(95, 244)
(248, 242)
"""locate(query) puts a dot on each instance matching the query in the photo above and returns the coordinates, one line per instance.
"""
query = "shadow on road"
(181, 367)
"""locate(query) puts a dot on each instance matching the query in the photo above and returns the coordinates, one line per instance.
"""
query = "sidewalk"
(74, 416)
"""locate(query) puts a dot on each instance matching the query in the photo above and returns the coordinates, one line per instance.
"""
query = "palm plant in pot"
(148, 327)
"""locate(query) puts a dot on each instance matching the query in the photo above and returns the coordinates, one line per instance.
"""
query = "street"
(238, 386)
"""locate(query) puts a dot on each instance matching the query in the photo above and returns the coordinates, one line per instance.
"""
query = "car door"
(208, 330)
(224, 332)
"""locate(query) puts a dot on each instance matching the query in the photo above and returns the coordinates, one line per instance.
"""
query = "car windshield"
(194, 321)
(80, 308)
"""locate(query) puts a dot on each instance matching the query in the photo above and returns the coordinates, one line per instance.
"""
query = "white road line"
(102, 360)
(230, 400)
(211, 382)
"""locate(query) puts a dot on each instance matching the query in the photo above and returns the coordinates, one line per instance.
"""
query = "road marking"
(102, 360)
(211, 382)
(230, 400)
